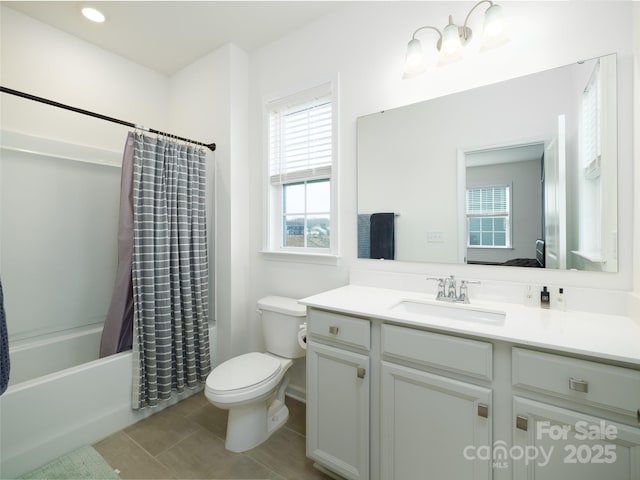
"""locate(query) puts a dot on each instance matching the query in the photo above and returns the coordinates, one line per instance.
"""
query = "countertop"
(610, 337)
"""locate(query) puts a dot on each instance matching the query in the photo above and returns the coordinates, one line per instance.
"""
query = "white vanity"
(402, 387)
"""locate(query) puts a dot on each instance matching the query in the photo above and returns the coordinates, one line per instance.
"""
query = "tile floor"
(187, 441)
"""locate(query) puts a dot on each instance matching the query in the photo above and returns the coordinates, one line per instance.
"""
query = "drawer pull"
(579, 385)
(483, 410)
(522, 423)
(361, 372)
(333, 330)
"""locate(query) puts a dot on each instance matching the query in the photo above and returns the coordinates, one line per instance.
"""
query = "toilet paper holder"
(302, 336)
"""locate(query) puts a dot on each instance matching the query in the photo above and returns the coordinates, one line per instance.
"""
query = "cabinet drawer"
(605, 386)
(459, 355)
(339, 328)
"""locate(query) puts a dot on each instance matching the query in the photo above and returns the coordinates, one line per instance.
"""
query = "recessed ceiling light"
(93, 14)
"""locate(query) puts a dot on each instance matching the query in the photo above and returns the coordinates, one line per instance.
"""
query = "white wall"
(365, 45)
(46, 62)
(209, 101)
(369, 62)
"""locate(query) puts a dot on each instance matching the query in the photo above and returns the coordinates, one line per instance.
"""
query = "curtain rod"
(211, 146)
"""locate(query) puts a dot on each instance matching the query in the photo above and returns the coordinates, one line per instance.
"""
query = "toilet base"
(251, 424)
(278, 415)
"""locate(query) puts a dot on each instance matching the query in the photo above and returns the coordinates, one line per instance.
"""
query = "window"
(590, 240)
(591, 120)
(489, 217)
(301, 152)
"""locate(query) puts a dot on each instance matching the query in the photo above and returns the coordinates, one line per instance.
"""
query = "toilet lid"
(243, 371)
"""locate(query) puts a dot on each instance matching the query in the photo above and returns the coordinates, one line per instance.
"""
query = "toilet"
(252, 386)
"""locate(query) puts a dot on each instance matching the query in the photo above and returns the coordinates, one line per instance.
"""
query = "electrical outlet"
(435, 237)
(529, 298)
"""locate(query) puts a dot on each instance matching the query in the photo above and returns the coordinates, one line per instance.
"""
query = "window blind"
(300, 140)
(591, 124)
(488, 201)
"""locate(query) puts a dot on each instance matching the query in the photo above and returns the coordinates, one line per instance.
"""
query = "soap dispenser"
(544, 298)
(560, 300)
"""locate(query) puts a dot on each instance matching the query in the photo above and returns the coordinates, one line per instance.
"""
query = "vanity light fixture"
(453, 38)
(93, 14)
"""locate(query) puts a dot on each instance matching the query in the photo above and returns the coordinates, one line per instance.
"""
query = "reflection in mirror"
(519, 173)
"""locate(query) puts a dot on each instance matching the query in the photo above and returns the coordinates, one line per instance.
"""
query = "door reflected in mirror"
(520, 173)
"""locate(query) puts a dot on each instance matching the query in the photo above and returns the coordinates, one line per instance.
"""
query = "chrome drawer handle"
(522, 422)
(579, 385)
(333, 330)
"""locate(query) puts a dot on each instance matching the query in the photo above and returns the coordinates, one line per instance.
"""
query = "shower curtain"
(169, 270)
(118, 326)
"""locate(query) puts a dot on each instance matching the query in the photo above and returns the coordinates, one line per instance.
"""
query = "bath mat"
(84, 463)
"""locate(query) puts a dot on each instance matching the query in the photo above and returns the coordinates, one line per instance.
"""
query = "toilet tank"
(281, 321)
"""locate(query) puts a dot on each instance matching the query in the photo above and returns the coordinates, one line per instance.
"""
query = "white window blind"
(488, 217)
(488, 201)
(300, 140)
(592, 124)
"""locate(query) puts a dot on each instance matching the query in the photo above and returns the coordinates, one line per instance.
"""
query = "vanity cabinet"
(430, 420)
(338, 389)
(427, 423)
(393, 401)
(568, 443)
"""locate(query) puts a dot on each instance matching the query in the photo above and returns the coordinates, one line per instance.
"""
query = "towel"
(4, 347)
(382, 236)
(364, 235)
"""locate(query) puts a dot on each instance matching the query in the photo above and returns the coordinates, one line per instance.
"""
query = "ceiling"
(168, 35)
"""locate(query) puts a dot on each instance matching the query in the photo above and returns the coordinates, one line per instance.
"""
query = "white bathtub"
(44, 415)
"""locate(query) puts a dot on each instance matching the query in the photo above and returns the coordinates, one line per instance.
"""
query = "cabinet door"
(338, 410)
(557, 443)
(432, 426)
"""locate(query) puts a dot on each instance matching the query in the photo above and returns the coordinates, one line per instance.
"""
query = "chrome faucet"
(448, 292)
(451, 292)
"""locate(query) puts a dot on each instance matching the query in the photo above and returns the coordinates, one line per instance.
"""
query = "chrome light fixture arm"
(465, 31)
(429, 27)
(452, 38)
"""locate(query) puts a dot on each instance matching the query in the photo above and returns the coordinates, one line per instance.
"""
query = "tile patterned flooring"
(187, 441)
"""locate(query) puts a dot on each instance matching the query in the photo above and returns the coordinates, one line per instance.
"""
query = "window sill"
(595, 257)
(476, 247)
(300, 257)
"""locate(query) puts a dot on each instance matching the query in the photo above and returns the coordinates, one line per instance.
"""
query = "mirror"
(518, 173)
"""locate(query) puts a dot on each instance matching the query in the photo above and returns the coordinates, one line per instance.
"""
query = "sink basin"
(450, 311)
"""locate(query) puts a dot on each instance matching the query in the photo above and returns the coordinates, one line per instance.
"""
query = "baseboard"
(634, 305)
(297, 393)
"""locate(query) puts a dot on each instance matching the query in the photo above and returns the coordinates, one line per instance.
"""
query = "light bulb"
(93, 14)
(495, 31)
(451, 38)
(494, 22)
(414, 63)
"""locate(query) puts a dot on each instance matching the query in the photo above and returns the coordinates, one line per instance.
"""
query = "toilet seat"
(243, 377)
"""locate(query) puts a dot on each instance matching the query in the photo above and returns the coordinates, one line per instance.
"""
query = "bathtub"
(62, 398)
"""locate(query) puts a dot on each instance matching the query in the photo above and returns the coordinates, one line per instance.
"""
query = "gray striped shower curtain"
(169, 271)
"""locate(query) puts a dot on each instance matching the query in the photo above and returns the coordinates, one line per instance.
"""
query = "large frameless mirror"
(519, 173)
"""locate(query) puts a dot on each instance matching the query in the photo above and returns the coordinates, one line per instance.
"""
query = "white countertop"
(611, 337)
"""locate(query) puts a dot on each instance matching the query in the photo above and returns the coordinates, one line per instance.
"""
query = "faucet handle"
(464, 295)
(440, 286)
